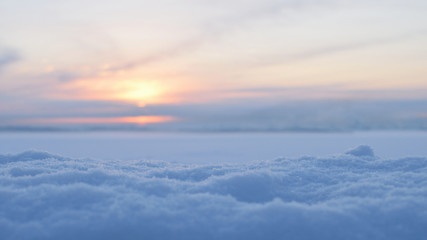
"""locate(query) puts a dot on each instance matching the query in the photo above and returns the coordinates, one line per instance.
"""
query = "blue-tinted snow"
(361, 151)
(354, 195)
(211, 147)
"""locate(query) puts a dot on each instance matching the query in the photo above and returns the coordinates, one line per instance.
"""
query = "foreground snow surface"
(354, 195)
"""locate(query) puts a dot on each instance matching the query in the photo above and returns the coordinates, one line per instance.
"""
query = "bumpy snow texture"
(355, 195)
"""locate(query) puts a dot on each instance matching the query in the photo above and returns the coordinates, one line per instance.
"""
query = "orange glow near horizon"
(137, 91)
(139, 120)
(140, 92)
(127, 87)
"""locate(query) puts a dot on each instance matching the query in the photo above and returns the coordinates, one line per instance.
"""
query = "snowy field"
(204, 148)
(213, 186)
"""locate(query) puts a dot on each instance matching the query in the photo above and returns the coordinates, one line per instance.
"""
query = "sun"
(140, 92)
(131, 90)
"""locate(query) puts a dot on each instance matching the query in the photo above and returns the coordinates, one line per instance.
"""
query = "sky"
(92, 62)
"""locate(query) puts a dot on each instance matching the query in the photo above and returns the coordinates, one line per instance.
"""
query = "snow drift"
(355, 195)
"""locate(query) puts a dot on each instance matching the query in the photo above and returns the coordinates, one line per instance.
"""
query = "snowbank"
(355, 195)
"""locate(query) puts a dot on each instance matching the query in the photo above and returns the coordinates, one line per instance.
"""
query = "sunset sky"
(106, 61)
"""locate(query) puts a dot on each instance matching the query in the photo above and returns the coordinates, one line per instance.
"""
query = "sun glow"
(137, 91)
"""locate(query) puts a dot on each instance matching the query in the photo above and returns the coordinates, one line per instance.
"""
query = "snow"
(211, 147)
(361, 151)
(354, 195)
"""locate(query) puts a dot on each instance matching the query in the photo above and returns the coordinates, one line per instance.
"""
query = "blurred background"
(273, 66)
(213, 65)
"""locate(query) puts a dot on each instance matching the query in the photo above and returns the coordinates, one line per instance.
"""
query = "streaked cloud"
(141, 54)
(212, 30)
(139, 120)
(333, 49)
(8, 56)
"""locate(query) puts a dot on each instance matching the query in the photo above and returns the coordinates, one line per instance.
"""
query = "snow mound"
(45, 196)
(361, 151)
